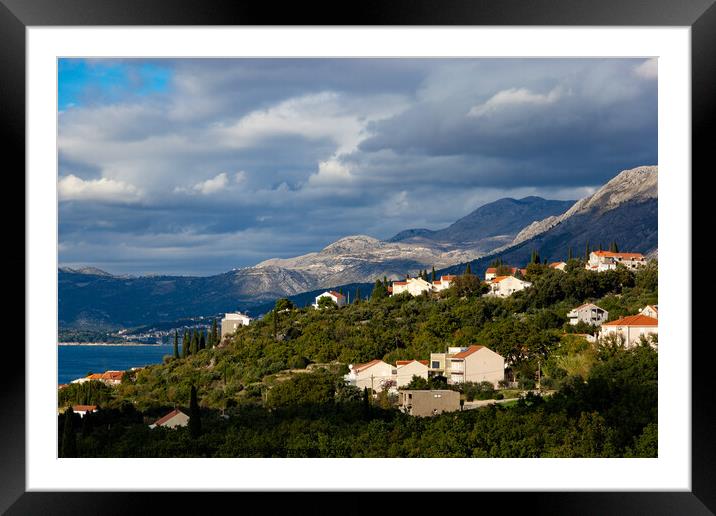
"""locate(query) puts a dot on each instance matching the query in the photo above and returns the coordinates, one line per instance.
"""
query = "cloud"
(72, 188)
(213, 185)
(649, 69)
(514, 97)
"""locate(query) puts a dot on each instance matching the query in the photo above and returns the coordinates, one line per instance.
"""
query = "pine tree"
(194, 415)
(176, 344)
(434, 273)
(69, 440)
(379, 291)
(185, 345)
(468, 269)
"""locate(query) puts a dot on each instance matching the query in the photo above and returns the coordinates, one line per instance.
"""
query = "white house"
(443, 283)
(175, 418)
(406, 369)
(504, 286)
(231, 322)
(415, 286)
(631, 328)
(560, 266)
(650, 311)
(336, 297)
(375, 375)
(588, 313)
(83, 409)
(606, 260)
(477, 364)
(440, 362)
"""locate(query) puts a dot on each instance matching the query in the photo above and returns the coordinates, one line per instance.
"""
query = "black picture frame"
(17, 15)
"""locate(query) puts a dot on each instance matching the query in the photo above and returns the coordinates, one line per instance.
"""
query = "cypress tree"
(433, 272)
(468, 269)
(202, 339)
(69, 440)
(194, 348)
(569, 254)
(588, 251)
(616, 247)
(366, 403)
(185, 345)
(176, 344)
(215, 333)
(357, 298)
(194, 415)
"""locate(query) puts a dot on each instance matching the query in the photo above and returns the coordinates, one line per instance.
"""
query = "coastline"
(108, 344)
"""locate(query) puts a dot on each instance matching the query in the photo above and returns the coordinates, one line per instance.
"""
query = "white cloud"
(73, 188)
(330, 173)
(213, 185)
(648, 69)
(512, 97)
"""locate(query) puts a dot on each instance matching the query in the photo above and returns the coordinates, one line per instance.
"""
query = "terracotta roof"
(166, 418)
(500, 278)
(95, 376)
(554, 264)
(469, 351)
(84, 408)
(449, 277)
(437, 282)
(390, 289)
(405, 362)
(634, 320)
(360, 367)
(491, 269)
(112, 375)
(337, 294)
(611, 254)
(400, 283)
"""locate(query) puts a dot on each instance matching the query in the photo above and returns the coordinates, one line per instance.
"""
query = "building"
(504, 286)
(650, 311)
(600, 261)
(491, 272)
(406, 369)
(336, 297)
(631, 328)
(560, 266)
(417, 286)
(111, 377)
(588, 313)
(231, 322)
(376, 375)
(172, 420)
(439, 364)
(83, 409)
(428, 403)
(477, 364)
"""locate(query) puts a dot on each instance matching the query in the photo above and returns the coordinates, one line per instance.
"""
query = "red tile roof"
(166, 418)
(337, 294)
(360, 367)
(634, 320)
(405, 362)
(112, 375)
(469, 351)
(449, 277)
(611, 254)
(84, 408)
(555, 264)
(491, 269)
(497, 279)
(400, 283)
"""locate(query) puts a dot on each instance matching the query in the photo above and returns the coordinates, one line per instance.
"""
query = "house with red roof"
(631, 328)
(650, 311)
(334, 296)
(477, 364)
(491, 272)
(406, 369)
(560, 266)
(600, 261)
(416, 286)
(83, 409)
(173, 419)
(505, 286)
(376, 375)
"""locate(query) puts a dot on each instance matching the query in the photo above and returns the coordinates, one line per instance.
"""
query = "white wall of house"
(630, 334)
(405, 373)
(508, 286)
(590, 314)
(650, 311)
(374, 377)
(231, 322)
(339, 300)
(484, 365)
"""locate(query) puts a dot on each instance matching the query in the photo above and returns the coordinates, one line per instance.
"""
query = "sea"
(77, 361)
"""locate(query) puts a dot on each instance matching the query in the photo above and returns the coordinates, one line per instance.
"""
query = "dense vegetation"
(605, 404)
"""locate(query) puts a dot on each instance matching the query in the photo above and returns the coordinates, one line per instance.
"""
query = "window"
(436, 364)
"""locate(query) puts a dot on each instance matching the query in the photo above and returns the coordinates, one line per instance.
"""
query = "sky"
(199, 166)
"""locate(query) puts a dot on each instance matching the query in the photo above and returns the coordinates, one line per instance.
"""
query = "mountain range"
(624, 210)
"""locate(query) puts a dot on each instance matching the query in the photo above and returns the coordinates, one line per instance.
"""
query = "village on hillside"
(429, 385)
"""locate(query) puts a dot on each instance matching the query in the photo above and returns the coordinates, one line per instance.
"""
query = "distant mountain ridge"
(624, 210)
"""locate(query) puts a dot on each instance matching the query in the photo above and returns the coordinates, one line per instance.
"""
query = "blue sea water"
(77, 361)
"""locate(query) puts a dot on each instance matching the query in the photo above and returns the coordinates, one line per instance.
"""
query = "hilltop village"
(521, 340)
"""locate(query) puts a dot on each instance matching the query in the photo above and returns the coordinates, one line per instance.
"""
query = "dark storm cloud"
(224, 163)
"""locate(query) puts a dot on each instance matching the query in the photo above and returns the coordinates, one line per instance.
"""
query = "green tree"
(283, 304)
(326, 302)
(176, 344)
(215, 333)
(379, 291)
(357, 299)
(194, 414)
(69, 440)
(468, 269)
(434, 277)
(186, 345)
(202, 339)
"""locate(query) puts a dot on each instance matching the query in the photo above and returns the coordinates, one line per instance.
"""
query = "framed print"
(320, 257)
